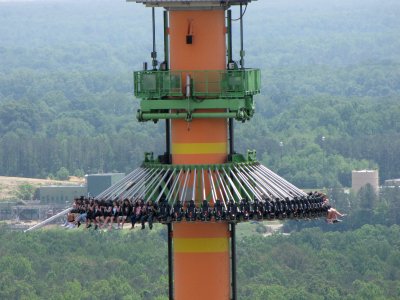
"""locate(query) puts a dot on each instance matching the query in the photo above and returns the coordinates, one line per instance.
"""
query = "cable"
(238, 19)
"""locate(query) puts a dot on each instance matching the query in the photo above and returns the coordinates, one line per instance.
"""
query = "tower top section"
(179, 4)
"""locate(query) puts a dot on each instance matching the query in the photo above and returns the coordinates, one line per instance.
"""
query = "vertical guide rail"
(154, 53)
(166, 61)
(166, 41)
(168, 141)
(233, 261)
(229, 26)
(241, 38)
(230, 59)
(170, 264)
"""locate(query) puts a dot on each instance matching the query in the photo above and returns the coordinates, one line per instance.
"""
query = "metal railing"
(155, 84)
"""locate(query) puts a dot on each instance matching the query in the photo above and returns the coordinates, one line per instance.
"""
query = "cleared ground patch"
(9, 185)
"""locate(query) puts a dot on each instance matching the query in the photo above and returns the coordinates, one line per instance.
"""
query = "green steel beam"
(240, 109)
(154, 116)
(191, 104)
(237, 162)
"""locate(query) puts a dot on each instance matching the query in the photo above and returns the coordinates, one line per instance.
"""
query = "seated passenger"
(332, 214)
(306, 206)
(312, 205)
(303, 206)
(91, 214)
(191, 212)
(219, 211)
(98, 214)
(73, 214)
(269, 208)
(205, 211)
(70, 220)
(148, 214)
(296, 207)
(278, 208)
(284, 209)
(136, 214)
(258, 209)
(232, 210)
(289, 208)
(250, 209)
(244, 209)
(81, 218)
(126, 212)
(177, 211)
(115, 214)
(108, 213)
(317, 204)
(165, 210)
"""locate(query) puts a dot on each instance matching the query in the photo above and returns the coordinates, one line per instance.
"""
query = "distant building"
(59, 194)
(392, 182)
(363, 177)
(97, 183)
(6, 210)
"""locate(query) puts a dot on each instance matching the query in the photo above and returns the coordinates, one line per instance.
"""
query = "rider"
(177, 211)
(191, 211)
(219, 211)
(149, 211)
(205, 211)
(232, 210)
(332, 214)
(165, 209)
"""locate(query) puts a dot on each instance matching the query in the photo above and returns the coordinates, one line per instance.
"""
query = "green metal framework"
(241, 177)
(157, 84)
(240, 109)
(218, 93)
(237, 159)
(154, 84)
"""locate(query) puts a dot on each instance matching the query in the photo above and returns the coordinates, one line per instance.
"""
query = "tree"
(367, 197)
(392, 197)
(25, 191)
(62, 174)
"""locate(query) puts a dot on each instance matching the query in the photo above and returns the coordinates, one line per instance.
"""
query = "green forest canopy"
(57, 264)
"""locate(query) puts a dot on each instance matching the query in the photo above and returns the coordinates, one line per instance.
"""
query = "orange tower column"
(202, 141)
(201, 250)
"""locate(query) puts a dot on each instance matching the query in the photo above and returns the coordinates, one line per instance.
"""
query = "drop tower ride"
(202, 187)
(205, 89)
(199, 90)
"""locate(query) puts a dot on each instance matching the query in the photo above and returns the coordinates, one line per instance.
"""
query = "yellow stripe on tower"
(198, 148)
(201, 245)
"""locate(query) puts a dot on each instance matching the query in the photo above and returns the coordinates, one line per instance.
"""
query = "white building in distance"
(363, 177)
